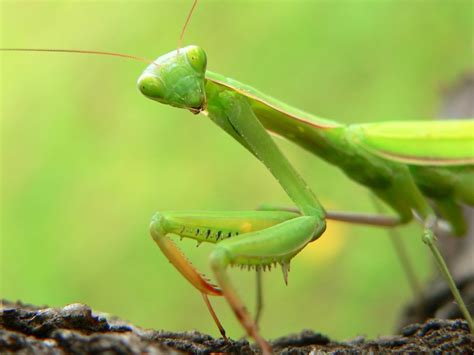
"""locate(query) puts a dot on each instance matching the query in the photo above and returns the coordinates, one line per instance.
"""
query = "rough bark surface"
(75, 329)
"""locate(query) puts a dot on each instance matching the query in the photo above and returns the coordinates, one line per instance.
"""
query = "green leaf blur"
(86, 160)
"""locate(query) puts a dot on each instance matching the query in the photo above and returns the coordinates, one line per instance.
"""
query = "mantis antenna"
(188, 18)
(78, 51)
(127, 56)
(140, 59)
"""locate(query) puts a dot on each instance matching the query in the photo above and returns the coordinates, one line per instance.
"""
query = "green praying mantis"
(392, 159)
(421, 161)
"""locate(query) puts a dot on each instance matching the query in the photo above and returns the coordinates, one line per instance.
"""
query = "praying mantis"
(420, 161)
(184, 52)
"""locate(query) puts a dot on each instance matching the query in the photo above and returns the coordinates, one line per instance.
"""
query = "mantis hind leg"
(402, 255)
(404, 185)
(429, 238)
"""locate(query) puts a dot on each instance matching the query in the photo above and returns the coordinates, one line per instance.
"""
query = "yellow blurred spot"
(246, 227)
(327, 247)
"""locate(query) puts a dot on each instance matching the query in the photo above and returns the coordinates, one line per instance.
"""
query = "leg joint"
(219, 258)
(157, 229)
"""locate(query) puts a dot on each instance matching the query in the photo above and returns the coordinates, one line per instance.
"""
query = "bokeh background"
(86, 160)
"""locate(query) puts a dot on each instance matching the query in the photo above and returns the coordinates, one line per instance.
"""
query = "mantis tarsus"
(183, 52)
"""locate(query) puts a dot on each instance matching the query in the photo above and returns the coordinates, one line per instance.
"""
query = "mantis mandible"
(292, 124)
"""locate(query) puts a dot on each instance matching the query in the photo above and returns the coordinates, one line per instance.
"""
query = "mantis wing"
(433, 143)
(440, 155)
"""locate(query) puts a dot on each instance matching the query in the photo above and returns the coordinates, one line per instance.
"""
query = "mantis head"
(177, 79)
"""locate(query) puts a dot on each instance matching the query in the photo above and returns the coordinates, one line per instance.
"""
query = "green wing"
(278, 110)
(435, 143)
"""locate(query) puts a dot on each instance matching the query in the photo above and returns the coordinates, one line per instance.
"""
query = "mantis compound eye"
(197, 58)
(151, 86)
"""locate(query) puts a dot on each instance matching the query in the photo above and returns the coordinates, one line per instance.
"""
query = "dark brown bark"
(75, 329)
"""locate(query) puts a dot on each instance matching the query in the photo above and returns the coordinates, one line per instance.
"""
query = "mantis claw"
(285, 267)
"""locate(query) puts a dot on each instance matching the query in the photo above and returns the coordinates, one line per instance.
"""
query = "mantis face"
(177, 79)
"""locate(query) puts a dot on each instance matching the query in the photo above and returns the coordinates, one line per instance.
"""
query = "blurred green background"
(86, 160)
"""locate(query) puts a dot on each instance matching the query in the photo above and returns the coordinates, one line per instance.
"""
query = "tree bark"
(75, 329)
